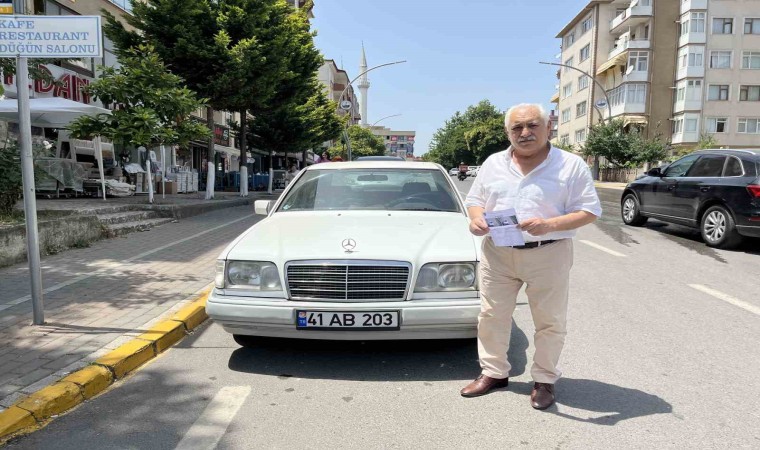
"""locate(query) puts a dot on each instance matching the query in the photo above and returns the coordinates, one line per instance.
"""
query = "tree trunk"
(211, 166)
(243, 155)
(303, 159)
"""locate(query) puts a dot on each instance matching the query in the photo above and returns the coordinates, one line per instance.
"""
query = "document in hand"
(503, 226)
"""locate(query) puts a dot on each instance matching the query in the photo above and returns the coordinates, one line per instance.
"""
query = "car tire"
(719, 229)
(246, 341)
(631, 212)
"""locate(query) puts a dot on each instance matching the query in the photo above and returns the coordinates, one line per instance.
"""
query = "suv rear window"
(733, 167)
(708, 166)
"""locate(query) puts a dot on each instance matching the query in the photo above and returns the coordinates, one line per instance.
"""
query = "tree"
(363, 143)
(621, 148)
(154, 106)
(470, 137)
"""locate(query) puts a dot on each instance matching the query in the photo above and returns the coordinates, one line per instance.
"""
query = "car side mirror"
(262, 207)
(655, 172)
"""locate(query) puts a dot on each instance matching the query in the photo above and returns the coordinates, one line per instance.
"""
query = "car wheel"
(246, 341)
(631, 213)
(718, 228)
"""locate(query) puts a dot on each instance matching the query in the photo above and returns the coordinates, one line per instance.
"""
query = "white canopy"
(55, 112)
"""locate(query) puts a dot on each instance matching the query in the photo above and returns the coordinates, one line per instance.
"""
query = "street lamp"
(345, 130)
(604, 91)
(380, 120)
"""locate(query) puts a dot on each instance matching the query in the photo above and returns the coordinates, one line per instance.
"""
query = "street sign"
(6, 6)
(601, 103)
(51, 37)
(346, 105)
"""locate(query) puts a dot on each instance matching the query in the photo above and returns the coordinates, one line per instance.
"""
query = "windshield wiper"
(417, 209)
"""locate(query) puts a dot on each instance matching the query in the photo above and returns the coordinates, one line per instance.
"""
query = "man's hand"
(478, 226)
(536, 226)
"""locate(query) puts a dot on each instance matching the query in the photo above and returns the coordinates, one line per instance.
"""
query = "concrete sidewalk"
(102, 296)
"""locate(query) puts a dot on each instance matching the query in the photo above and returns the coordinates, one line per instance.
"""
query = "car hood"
(416, 237)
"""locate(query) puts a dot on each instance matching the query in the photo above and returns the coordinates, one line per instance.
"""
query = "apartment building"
(397, 142)
(717, 81)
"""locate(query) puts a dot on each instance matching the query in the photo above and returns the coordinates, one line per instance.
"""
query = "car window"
(371, 189)
(680, 167)
(707, 166)
(733, 167)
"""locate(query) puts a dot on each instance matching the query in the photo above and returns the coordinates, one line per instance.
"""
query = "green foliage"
(363, 143)
(154, 105)
(621, 148)
(10, 177)
(470, 137)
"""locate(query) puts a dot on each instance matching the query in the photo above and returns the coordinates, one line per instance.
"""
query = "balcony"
(689, 5)
(692, 38)
(685, 137)
(690, 72)
(687, 105)
(628, 99)
(636, 76)
(633, 16)
(625, 43)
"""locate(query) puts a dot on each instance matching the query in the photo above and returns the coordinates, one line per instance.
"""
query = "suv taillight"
(754, 190)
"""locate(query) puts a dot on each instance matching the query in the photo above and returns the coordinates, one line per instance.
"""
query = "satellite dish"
(629, 70)
(346, 105)
(601, 103)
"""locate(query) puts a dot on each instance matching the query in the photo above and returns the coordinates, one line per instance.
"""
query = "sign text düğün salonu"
(50, 36)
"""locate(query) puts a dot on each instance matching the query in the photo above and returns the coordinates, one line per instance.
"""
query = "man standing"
(553, 194)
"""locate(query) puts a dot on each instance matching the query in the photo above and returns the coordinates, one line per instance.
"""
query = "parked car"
(454, 171)
(353, 251)
(717, 191)
(473, 172)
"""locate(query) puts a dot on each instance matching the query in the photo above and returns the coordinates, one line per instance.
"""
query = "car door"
(697, 186)
(661, 196)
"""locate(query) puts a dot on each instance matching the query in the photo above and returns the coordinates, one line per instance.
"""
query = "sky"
(458, 52)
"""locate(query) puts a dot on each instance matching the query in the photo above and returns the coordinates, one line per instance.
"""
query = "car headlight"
(256, 275)
(446, 277)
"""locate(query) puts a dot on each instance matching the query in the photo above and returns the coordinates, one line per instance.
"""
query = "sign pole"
(27, 173)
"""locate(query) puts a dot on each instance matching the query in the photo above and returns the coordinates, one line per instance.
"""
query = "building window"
(751, 60)
(580, 109)
(639, 61)
(565, 115)
(681, 93)
(678, 125)
(723, 26)
(716, 125)
(580, 135)
(567, 90)
(569, 39)
(582, 82)
(586, 25)
(749, 126)
(126, 5)
(637, 93)
(585, 52)
(752, 25)
(749, 93)
(690, 125)
(568, 62)
(718, 92)
(698, 22)
(691, 57)
(720, 59)
(564, 139)
(684, 25)
(694, 90)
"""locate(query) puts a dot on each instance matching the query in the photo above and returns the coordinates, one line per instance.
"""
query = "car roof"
(731, 151)
(374, 164)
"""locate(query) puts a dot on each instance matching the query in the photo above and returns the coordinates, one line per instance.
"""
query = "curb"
(36, 410)
(614, 187)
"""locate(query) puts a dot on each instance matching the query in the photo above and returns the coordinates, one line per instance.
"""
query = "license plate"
(344, 320)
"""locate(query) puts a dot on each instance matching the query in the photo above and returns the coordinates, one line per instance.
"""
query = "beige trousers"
(502, 272)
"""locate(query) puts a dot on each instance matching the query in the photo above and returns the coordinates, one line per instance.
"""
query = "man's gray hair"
(541, 111)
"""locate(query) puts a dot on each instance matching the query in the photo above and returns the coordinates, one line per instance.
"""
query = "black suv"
(717, 191)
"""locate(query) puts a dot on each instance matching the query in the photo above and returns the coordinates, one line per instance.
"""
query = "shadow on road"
(616, 403)
(415, 360)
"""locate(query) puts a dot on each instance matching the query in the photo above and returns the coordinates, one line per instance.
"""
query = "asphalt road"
(662, 352)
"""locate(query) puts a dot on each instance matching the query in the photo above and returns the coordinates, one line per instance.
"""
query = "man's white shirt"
(561, 184)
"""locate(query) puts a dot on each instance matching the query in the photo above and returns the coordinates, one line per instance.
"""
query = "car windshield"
(371, 189)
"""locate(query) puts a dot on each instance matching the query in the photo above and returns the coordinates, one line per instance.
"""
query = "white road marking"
(727, 298)
(55, 287)
(213, 422)
(602, 248)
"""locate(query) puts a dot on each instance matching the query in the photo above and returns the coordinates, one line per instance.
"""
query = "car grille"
(326, 281)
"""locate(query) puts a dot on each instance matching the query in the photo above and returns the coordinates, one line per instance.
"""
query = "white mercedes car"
(367, 250)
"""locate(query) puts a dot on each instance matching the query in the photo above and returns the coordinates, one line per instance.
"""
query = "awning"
(225, 149)
(640, 120)
(555, 98)
(619, 60)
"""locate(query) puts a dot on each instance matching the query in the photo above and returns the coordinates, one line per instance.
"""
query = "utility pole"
(27, 173)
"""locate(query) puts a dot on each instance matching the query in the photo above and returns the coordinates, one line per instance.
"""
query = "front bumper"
(274, 317)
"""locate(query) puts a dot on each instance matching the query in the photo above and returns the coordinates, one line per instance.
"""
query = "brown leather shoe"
(483, 385)
(542, 395)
